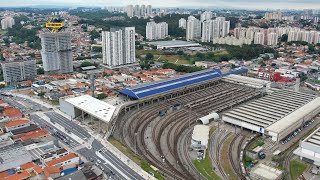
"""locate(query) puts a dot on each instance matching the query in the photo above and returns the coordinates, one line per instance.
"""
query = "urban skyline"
(238, 4)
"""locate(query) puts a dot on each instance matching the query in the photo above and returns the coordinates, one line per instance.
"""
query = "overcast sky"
(260, 4)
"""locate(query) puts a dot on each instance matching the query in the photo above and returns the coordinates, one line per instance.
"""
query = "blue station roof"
(158, 87)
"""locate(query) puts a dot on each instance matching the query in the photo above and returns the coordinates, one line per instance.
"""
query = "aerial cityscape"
(175, 90)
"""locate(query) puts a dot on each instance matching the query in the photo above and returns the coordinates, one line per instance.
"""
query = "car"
(98, 161)
(101, 168)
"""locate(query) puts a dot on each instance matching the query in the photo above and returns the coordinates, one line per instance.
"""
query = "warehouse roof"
(292, 118)
(173, 44)
(158, 87)
(276, 111)
(97, 108)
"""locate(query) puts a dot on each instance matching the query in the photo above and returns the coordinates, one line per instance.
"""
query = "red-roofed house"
(19, 176)
(51, 172)
(64, 161)
(130, 83)
(12, 113)
(17, 124)
(30, 166)
(168, 72)
(32, 135)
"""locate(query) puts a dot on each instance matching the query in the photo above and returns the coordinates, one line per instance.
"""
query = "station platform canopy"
(159, 87)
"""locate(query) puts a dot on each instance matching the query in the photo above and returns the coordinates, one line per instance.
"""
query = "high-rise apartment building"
(7, 22)
(214, 29)
(272, 39)
(207, 15)
(193, 28)
(156, 31)
(56, 52)
(136, 10)
(143, 11)
(139, 11)
(118, 46)
(207, 32)
(182, 23)
(149, 10)
(259, 38)
(15, 71)
(273, 15)
(130, 11)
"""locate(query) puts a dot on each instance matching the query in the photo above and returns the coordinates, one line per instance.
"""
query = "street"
(75, 137)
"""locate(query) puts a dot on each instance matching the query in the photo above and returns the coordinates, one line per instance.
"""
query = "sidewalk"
(112, 149)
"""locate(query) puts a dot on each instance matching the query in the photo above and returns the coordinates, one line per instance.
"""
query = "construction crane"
(54, 25)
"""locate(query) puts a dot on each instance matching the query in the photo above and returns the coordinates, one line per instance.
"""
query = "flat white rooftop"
(266, 172)
(174, 44)
(201, 132)
(96, 108)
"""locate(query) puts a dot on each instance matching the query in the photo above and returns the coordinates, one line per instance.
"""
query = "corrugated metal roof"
(150, 89)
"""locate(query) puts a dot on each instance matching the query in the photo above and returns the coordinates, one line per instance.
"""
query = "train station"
(276, 115)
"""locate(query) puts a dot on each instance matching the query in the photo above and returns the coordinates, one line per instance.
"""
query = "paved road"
(105, 160)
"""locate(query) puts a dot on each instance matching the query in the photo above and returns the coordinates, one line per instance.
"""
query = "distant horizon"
(188, 4)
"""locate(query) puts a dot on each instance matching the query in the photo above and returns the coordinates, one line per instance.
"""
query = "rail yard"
(158, 126)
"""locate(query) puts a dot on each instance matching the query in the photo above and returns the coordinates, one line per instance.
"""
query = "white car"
(98, 161)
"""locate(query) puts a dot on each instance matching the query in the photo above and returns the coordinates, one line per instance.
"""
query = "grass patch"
(205, 168)
(175, 59)
(247, 161)
(223, 52)
(297, 168)
(3, 33)
(258, 142)
(225, 160)
(154, 52)
(131, 155)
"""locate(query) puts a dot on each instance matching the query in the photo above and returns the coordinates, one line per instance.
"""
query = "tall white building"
(149, 10)
(15, 71)
(182, 23)
(193, 28)
(130, 11)
(7, 22)
(207, 15)
(156, 31)
(118, 46)
(272, 39)
(225, 28)
(273, 15)
(143, 10)
(207, 32)
(56, 52)
(136, 10)
(259, 38)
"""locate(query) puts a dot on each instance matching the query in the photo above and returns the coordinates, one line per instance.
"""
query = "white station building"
(309, 148)
(200, 137)
(277, 114)
(81, 105)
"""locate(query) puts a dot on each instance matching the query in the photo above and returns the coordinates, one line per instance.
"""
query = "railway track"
(235, 160)
(169, 130)
(214, 152)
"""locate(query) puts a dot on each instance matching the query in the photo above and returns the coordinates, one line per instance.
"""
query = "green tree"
(149, 56)
(86, 63)
(101, 96)
(97, 49)
(40, 71)
(94, 34)
(180, 53)
(284, 38)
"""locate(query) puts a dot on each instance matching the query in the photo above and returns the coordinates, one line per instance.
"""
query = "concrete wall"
(242, 124)
(67, 108)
